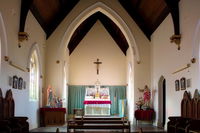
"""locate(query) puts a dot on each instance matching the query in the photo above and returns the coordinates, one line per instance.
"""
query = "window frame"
(34, 89)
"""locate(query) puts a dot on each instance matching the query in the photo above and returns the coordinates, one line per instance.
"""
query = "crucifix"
(98, 63)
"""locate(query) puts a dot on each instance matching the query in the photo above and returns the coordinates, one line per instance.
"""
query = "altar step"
(99, 118)
(99, 121)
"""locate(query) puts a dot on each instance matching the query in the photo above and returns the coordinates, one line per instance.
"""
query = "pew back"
(186, 106)
(190, 108)
(9, 105)
(1, 105)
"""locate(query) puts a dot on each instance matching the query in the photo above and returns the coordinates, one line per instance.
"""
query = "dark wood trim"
(138, 4)
(162, 16)
(174, 10)
(136, 17)
(80, 32)
(65, 8)
(115, 32)
(25, 6)
(109, 25)
(37, 15)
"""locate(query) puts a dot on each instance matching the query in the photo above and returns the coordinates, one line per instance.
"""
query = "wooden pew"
(98, 123)
(189, 120)
(8, 122)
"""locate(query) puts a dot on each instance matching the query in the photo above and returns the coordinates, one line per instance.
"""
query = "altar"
(97, 102)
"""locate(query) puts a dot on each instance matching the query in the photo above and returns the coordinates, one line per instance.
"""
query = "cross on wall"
(97, 63)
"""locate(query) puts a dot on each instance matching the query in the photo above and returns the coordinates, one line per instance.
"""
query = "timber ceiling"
(109, 25)
(50, 13)
(148, 14)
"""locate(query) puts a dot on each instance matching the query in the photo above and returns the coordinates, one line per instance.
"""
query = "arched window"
(34, 77)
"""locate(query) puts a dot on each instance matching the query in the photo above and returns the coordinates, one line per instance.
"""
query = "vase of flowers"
(140, 103)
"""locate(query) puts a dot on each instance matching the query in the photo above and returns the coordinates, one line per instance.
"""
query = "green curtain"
(76, 96)
(116, 93)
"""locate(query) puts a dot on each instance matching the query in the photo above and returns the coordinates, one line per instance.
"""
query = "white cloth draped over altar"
(97, 101)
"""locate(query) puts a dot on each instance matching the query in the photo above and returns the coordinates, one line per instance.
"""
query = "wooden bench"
(101, 123)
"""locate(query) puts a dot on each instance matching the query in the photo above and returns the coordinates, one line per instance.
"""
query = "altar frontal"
(97, 101)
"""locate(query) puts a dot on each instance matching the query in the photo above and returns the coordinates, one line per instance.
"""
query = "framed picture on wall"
(177, 85)
(15, 82)
(24, 85)
(188, 83)
(10, 81)
(20, 83)
(183, 83)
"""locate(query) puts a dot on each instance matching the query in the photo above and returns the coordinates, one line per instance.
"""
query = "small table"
(146, 115)
(52, 116)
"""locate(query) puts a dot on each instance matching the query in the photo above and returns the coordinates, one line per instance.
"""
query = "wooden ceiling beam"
(109, 25)
(174, 10)
(136, 16)
(39, 18)
(80, 32)
(64, 6)
(115, 32)
(25, 6)
(137, 5)
(173, 6)
(160, 18)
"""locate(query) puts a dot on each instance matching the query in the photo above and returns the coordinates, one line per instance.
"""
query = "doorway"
(161, 102)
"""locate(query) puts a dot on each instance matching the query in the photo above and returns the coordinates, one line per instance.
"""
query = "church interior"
(117, 65)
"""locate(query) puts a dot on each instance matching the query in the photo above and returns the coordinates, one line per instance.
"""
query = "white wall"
(166, 59)
(97, 44)
(10, 11)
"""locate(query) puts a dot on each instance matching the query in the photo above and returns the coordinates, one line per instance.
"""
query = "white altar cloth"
(93, 108)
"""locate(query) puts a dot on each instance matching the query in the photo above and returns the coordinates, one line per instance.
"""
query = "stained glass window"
(34, 77)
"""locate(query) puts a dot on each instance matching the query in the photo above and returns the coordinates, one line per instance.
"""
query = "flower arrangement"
(140, 103)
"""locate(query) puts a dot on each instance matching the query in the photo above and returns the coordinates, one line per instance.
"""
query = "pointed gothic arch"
(196, 41)
(196, 51)
(35, 48)
(110, 13)
(3, 39)
(161, 102)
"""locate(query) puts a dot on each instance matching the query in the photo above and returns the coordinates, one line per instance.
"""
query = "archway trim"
(110, 13)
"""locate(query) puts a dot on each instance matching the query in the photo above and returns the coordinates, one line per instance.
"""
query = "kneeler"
(9, 106)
